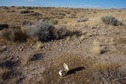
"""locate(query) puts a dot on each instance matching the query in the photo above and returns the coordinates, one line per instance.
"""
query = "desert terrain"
(95, 51)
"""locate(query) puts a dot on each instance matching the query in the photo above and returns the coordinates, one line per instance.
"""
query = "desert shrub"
(40, 31)
(26, 11)
(111, 20)
(15, 35)
(44, 32)
(61, 32)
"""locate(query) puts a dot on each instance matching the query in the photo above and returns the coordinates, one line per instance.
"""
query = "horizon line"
(64, 7)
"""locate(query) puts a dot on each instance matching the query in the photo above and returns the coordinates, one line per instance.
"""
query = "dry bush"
(61, 32)
(40, 31)
(15, 35)
(111, 20)
(45, 32)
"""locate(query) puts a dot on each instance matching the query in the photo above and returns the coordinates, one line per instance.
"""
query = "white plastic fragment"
(64, 70)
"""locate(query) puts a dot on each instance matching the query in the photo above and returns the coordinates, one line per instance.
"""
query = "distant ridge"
(123, 8)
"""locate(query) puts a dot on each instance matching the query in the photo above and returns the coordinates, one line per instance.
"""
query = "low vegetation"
(41, 31)
(45, 32)
(15, 35)
(111, 20)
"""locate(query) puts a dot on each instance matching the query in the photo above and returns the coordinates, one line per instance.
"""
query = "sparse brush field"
(35, 42)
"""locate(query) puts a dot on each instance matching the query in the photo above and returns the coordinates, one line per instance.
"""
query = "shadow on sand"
(73, 71)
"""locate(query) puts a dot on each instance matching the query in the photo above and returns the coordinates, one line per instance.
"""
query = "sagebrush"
(44, 31)
(111, 20)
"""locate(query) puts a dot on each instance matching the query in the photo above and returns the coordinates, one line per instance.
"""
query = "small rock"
(60, 49)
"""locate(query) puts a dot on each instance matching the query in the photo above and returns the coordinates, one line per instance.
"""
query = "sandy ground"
(76, 51)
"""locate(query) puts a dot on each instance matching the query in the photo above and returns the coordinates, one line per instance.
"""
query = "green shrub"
(15, 35)
(111, 20)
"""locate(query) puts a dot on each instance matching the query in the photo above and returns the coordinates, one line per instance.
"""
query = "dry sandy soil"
(96, 56)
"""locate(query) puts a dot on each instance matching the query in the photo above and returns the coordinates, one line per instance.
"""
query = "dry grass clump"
(97, 47)
(15, 35)
(25, 60)
(38, 45)
(97, 50)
